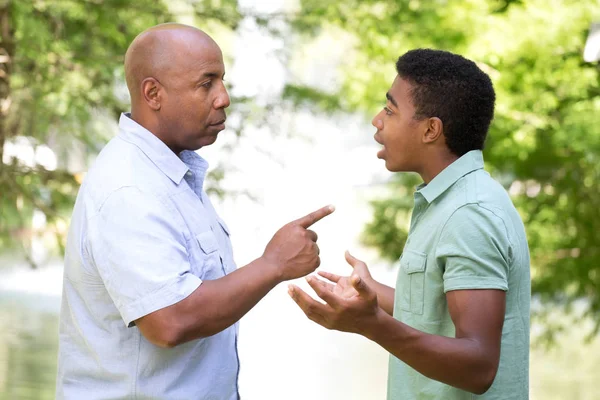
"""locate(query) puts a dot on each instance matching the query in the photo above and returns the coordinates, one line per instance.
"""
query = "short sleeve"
(474, 250)
(140, 253)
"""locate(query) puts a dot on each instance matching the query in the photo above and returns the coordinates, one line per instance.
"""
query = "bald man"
(151, 295)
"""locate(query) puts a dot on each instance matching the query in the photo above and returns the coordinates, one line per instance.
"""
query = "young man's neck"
(435, 163)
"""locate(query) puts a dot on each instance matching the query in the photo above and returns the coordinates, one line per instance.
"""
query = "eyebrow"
(391, 99)
(210, 75)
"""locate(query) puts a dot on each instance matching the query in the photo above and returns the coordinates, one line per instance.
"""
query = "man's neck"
(151, 125)
(142, 120)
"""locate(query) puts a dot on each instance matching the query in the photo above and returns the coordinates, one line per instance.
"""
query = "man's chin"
(204, 141)
(210, 139)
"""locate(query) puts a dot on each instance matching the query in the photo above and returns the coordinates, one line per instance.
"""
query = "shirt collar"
(469, 162)
(198, 167)
(158, 152)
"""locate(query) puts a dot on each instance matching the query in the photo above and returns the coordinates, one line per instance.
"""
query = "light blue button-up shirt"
(143, 236)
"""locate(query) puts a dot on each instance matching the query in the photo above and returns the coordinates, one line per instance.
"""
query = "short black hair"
(453, 89)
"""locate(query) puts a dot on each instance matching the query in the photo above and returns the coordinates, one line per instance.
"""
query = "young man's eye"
(387, 110)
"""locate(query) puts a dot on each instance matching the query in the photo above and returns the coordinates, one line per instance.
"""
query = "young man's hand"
(351, 304)
(342, 284)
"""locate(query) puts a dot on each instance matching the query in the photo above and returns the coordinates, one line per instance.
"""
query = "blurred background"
(305, 77)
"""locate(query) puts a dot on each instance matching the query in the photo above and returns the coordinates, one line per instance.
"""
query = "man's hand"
(352, 309)
(219, 303)
(293, 250)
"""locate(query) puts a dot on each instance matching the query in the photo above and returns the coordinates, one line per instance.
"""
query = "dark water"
(28, 346)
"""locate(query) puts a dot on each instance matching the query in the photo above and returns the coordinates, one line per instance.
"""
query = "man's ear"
(152, 93)
(434, 129)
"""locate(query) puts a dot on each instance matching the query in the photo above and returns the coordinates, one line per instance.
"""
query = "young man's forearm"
(459, 362)
(385, 295)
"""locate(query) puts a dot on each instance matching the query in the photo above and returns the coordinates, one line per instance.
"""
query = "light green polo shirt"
(465, 233)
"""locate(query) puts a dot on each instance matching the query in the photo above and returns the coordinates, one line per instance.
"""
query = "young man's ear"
(151, 90)
(433, 130)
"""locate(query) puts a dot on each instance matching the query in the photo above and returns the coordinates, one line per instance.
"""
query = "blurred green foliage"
(61, 68)
(544, 144)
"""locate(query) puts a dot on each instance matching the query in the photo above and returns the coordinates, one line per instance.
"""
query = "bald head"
(162, 52)
(175, 75)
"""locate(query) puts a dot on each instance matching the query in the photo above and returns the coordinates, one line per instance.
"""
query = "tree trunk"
(7, 47)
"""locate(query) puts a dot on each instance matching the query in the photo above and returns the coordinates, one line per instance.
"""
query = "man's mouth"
(220, 122)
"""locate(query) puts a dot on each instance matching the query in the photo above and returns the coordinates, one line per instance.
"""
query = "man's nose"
(222, 100)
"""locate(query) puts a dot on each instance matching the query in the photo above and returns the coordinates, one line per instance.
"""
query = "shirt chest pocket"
(411, 281)
(205, 257)
(227, 256)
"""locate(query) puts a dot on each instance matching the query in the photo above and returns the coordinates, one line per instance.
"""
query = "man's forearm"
(459, 362)
(219, 303)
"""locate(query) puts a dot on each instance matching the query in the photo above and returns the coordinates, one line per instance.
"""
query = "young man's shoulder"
(483, 190)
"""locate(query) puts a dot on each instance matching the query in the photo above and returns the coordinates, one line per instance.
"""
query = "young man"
(457, 324)
(151, 295)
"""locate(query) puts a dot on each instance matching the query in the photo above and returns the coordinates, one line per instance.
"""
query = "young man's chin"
(390, 166)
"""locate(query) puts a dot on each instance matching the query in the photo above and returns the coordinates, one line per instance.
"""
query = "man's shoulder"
(122, 167)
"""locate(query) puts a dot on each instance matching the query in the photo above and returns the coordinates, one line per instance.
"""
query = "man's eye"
(207, 84)
(387, 110)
